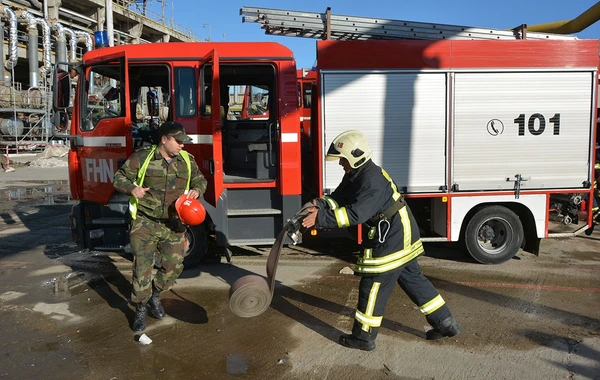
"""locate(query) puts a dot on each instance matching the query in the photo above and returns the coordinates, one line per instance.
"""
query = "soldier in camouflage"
(155, 177)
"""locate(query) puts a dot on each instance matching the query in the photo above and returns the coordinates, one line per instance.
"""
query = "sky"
(221, 21)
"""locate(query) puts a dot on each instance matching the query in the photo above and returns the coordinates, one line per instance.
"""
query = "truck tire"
(493, 235)
(196, 246)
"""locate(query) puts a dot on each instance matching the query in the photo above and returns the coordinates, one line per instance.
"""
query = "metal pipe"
(36, 4)
(32, 48)
(576, 25)
(61, 43)
(32, 23)
(32, 56)
(77, 15)
(74, 36)
(13, 51)
(72, 44)
(61, 37)
(86, 37)
(109, 23)
(46, 9)
(22, 2)
(47, 45)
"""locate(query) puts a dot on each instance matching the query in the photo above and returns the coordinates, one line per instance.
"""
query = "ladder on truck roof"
(336, 27)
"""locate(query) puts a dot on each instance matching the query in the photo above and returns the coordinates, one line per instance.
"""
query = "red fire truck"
(481, 135)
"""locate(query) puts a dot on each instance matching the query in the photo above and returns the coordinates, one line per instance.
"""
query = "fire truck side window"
(250, 137)
(104, 97)
(185, 92)
(205, 106)
(150, 96)
(248, 102)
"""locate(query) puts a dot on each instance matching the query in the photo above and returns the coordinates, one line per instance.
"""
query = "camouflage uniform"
(156, 226)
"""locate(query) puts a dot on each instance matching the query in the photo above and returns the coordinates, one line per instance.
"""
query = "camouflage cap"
(173, 128)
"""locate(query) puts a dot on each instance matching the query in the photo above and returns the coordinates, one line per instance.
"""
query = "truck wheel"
(493, 235)
(196, 245)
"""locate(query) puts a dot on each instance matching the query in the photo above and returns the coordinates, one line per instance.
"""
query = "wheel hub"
(487, 233)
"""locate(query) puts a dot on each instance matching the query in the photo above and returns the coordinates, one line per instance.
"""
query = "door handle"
(517, 180)
(270, 144)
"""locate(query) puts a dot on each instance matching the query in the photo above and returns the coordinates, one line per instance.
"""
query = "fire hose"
(251, 295)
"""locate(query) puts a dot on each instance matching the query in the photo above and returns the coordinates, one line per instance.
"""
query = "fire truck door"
(104, 124)
(211, 156)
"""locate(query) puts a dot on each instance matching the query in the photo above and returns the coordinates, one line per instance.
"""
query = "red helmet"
(191, 211)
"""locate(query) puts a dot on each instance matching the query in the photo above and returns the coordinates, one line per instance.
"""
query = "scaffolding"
(26, 108)
(25, 123)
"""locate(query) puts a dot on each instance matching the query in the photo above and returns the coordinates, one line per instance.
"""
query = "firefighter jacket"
(166, 180)
(364, 193)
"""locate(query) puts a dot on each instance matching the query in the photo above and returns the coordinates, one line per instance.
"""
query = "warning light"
(444, 199)
(313, 232)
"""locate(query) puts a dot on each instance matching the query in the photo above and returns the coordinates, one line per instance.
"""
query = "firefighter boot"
(350, 341)
(156, 307)
(139, 322)
(447, 327)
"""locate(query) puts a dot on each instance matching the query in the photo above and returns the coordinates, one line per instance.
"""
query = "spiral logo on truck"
(495, 127)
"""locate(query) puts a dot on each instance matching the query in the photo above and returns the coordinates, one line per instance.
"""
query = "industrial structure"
(38, 33)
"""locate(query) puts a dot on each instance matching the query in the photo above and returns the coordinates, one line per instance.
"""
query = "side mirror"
(62, 89)
(60, 120)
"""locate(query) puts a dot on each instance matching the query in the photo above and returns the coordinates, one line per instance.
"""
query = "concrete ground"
(25, 175)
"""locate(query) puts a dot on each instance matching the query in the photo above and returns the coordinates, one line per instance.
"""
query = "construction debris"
(52, 157)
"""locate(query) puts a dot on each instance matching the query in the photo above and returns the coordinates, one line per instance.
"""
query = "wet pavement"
(66, 312)
(26, 176)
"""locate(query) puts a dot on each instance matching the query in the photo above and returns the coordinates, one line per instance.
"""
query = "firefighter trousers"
(374, 292)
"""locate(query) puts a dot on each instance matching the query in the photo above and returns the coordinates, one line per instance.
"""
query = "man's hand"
(193, 194)
(311, 219)
(139, 192)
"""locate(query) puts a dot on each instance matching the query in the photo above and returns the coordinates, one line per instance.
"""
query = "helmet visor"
(332, 153)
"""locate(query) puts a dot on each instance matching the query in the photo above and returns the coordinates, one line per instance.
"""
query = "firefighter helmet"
(190, 211)
(352, 146)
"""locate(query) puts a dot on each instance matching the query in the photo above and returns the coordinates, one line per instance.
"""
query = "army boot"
(350, 341)
(156, 307)
(139, 322)
(447, 327)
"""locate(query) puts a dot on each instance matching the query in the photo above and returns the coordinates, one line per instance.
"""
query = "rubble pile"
(54, 156)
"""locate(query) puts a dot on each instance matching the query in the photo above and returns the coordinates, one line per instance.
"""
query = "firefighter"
(391, 242)
(155, 177)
